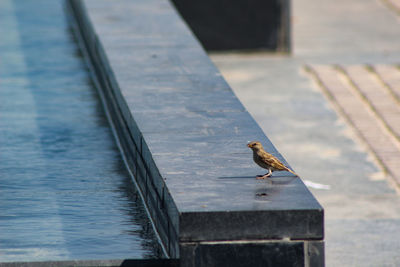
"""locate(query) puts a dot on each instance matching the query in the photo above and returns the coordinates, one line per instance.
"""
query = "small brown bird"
(266, 160)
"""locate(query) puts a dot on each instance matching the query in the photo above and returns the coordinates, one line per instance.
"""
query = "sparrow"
(266, 160)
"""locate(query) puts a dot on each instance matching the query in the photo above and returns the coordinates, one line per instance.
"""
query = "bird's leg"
(268, 174)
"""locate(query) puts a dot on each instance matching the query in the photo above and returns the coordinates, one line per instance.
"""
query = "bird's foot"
(262, 177)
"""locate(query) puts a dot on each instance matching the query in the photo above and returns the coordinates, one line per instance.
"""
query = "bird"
(266, 160)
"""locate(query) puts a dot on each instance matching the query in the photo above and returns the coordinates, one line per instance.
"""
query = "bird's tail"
(289, 170)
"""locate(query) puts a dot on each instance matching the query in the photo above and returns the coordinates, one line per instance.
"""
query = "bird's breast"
(258, 159)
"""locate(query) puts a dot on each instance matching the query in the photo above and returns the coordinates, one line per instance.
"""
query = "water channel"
(64, 191)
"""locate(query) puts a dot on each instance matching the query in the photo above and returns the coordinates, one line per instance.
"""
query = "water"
(64, 192)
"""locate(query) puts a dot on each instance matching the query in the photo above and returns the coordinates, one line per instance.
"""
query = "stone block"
(188, 134)
(233, 25)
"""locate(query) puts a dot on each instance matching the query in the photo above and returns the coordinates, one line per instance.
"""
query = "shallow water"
(64, 192)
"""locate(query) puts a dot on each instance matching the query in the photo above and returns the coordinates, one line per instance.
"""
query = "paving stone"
(377, 95)
(390, 76)
(371, 126)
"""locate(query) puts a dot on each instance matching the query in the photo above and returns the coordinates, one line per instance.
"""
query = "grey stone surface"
(186, 135)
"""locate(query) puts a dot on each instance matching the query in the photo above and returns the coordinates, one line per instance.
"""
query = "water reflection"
(64, 192)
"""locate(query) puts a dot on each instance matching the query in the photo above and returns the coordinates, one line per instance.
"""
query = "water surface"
(64, 192)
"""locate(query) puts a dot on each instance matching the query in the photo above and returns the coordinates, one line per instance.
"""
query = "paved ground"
(332, 109)
(368, 97)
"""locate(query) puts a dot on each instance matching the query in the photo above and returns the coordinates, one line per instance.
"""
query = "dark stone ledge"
(253, 254)
(183, 134)
(238, 24)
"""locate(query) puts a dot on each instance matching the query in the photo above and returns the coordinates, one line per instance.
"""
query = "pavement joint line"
(353, 89)
(325, 82)
(377, 115)
(343, 114)
(372, 104)
(390, 83)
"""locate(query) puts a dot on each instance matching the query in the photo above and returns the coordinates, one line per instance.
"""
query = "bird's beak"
(248, 145)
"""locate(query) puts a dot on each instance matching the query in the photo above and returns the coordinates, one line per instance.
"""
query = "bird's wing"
(272, 161)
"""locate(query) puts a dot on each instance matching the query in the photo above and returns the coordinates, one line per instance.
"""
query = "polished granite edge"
(253, 253)
(245, 225)
(204, 200)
